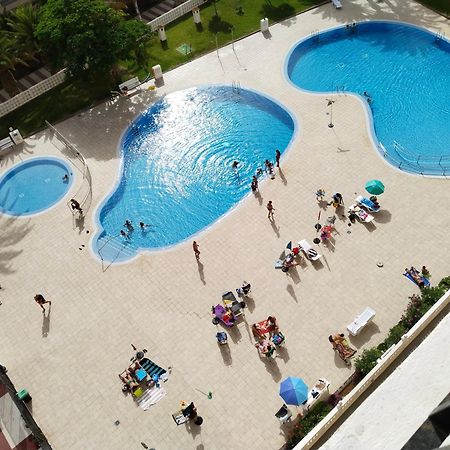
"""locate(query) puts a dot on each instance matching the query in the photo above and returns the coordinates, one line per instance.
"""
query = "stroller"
(244, 290)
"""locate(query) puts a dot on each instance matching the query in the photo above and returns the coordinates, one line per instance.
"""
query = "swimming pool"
(34, 186)
(405, 70)
(177, 174)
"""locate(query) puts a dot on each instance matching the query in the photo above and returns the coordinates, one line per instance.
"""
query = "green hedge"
(418, 305)
(302, 426)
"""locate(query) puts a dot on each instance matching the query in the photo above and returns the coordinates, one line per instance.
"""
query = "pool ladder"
(439, 36)
(315, 34)
(236, 87)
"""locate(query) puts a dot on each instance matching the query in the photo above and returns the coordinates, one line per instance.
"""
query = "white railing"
(175, 13)
(84, 193)
(388, 357)
(33, 92)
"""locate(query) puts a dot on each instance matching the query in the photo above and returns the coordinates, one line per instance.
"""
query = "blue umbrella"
(293, 391)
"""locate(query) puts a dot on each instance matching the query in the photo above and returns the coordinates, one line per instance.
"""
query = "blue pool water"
(406, 72)
(33, 186)
(177, 158)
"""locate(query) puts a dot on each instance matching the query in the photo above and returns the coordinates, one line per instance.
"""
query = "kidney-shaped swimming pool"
(177, 173)
(404, 72)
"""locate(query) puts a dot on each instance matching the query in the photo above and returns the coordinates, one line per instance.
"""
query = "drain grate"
(184, 49)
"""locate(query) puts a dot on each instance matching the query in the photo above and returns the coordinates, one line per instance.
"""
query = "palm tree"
(22, 23)
(8, 59)
(122, 4)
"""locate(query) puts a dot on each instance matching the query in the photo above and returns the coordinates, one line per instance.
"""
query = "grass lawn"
(231, 23)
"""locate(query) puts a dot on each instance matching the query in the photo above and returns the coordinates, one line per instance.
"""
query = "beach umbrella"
(293, 391)
(374, 187)
(289, 245)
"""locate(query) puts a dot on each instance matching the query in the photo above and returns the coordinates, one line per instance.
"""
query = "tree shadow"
(277, 13)
(217, 25)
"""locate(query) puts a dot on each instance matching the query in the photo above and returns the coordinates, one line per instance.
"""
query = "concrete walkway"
(69, 358)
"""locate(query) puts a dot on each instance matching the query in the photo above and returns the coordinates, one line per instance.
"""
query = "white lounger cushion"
(310, 252)
(337, 4)
(361, 321)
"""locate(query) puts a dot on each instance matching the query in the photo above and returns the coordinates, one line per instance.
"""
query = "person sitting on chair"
(190, 411)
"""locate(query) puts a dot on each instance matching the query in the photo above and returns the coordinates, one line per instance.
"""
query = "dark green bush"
(445, 283)
(302, 426)
(431, 295)
(394, 336)
(368, 360)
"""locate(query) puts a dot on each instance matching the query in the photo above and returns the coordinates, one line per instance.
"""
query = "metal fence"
(175, 13)
(419, 164)
(84, 194)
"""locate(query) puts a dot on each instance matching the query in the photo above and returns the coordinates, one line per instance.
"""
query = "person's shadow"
(79, 223)
(201, 271)
(283, 178)
(259, 197)
(46, 323)
(275, 227)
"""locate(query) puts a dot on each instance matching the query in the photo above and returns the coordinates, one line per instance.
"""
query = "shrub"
(304, 425)
(368, 360)
(394, 336)
(445, 283)
(431, 295)
(413, 312)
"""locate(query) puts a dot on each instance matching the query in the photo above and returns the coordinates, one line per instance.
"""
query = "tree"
(87, 36)
(122, 4)
(23, 22)
(8, 58)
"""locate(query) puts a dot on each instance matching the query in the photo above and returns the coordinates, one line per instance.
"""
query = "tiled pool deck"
(70, 361)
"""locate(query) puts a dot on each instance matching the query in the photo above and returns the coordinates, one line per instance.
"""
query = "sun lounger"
(367, 203)
(362, 215)
(426, 281)
(129, 87)
(151, 368)
(6, 145)
(337, 4)
(361, 321)
(310, 252)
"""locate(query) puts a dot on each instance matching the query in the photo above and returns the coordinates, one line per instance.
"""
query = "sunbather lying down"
(341, 345)
(415, 274)
(128, 380)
